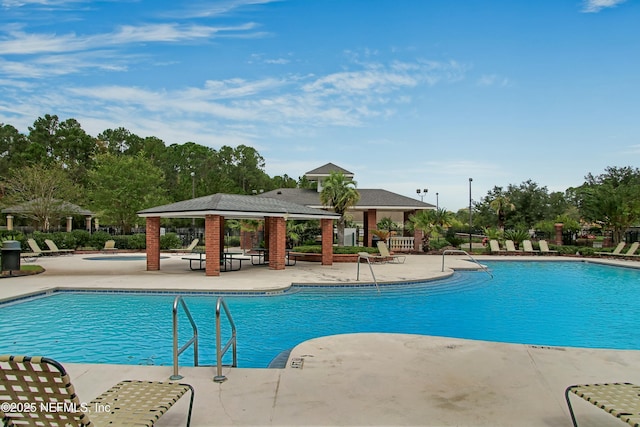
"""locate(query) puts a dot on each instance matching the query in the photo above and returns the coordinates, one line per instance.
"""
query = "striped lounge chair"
(622, 400)
(37, 391)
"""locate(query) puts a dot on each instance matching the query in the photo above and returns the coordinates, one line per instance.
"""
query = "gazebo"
(64, 208)
(216, 208)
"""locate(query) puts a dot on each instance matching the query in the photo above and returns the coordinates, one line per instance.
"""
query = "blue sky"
(406, 94)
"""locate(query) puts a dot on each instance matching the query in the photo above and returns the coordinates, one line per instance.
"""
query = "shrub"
(82, 238)
(516, 235)
(98, 239)
(232, 241)
(170, 241)
(138, 241)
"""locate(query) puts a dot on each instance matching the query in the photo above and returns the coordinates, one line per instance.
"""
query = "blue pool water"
(542, 303)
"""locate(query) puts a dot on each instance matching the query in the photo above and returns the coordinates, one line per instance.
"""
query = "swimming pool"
(542, 303)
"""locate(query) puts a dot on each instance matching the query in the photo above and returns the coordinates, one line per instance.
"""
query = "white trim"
(237, 214)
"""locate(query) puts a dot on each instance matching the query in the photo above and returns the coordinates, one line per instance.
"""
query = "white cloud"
(22, 43)
(594, 6)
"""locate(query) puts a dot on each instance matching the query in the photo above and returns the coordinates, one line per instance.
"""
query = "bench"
(622, 400)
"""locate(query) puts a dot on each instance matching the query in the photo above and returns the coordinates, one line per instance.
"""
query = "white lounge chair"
(54, 248)
(632, 249)
(110, 246)
(616, 251)
(511, 247)
(188, 249)
(544, 247)
(36, 249)
(384, 252)
(495, 246)
(528, 247)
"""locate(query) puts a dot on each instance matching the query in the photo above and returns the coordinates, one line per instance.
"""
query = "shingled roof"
(65, 208)
(236, 206)
(326, 171)
(369, 199)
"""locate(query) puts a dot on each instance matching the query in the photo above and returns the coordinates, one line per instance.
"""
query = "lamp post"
(470, 180)
(193, 196)
(422, 193)
(437, 202)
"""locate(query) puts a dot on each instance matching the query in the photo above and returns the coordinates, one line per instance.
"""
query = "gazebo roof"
(369, 199)
(236, 206)
(65, 207)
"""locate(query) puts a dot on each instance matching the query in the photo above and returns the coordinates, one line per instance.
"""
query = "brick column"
(153, 243)
(9, 222)
(87, 223)
(277, 243)
(267, 239)
(212, 245)
(558, 228)
(369, 224)
(327, 241)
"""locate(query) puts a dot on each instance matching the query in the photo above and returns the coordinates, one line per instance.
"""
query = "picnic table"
(226, 262)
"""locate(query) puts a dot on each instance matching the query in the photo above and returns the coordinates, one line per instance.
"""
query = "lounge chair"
(38, 391)
(54, 248)
(528, 247)
(544, 247)
(511, 247)
(632, 249)
(36, 249)
(110, 246)
(370, 258)
(616, 251)
(384, 252)
(188, 249)
(618, 399)
(495, 246)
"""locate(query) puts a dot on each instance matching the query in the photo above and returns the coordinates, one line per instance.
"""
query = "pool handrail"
(232, 341)
(364, 255)
(460, 251)
(179, 302)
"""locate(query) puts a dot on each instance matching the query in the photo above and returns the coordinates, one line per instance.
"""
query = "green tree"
(501, 205)
(424, 221)
(123, 185)
(119, 141)
(340, 194)
(612, 198)
(43, 191)
(13, 146)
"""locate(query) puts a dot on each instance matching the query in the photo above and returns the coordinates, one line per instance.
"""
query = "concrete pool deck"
(358, 379)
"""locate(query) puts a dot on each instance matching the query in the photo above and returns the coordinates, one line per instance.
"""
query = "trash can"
(11, 255)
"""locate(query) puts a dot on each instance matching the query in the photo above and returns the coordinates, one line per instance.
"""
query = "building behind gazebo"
(63, 210)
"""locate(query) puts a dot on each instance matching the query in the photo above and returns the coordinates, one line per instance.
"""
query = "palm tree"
(426, 222)
(340, 194)
(502, 204)
(443, 219)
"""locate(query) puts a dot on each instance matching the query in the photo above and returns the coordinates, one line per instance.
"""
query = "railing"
(399, 243)
(232, 341)
(365, 256)
(178, 301)
(459, 251)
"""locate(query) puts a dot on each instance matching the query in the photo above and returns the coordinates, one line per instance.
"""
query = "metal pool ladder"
(220, 304)
(179, 302)
(460, 251)
(364, 255)
(231, 343)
